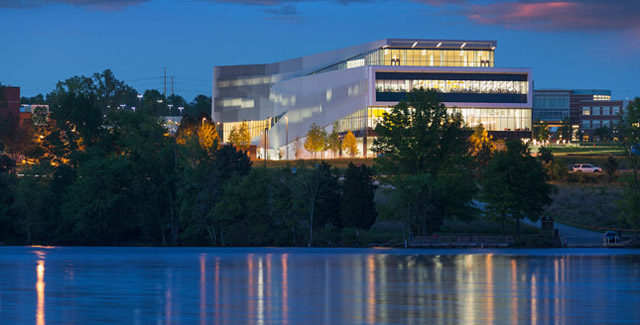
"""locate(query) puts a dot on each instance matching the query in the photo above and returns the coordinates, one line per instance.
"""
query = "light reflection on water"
(199, 285)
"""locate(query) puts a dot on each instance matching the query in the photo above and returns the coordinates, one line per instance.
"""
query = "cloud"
(556, 14)
(90, 4)
(288, 10)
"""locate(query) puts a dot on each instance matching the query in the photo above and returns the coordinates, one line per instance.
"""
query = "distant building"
(171, 123)
(595, 114)
(585, 109)
(27, 110)
(11, 97)
(351, 88)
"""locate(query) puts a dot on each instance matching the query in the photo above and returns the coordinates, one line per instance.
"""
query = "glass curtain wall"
(417, 57)
(493, 119)
(455, 86)
(256, 128)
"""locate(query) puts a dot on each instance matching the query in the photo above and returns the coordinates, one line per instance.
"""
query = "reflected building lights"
(371, 289)
(169, 298)
(250, 293)
(490, 289)
(217, 284)
(327, 293)
(203, 289)
(40, 320)
(534, 299)
(514, 292)
(268, 286)
(285, 289)
(260, 292)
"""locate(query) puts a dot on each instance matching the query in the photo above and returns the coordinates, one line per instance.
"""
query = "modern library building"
(351, 88)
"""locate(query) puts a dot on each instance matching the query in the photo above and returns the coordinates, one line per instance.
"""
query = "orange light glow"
(371, 289)
(40, 291)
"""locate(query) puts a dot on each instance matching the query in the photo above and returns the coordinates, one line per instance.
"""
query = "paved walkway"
(575, 237)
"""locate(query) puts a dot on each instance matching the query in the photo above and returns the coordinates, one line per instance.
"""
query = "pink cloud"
(557, 15)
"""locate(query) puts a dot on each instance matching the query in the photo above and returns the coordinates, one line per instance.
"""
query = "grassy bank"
(590, 206)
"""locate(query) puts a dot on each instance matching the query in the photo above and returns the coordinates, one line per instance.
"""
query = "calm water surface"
(48, 285)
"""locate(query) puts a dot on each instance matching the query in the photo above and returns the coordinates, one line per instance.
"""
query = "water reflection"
(319, 286)
(285, 288)
(40, 291)
(203, 289)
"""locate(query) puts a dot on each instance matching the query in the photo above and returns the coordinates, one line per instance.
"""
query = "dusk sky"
(569, 44)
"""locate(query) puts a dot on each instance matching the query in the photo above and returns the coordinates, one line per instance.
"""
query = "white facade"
(324, 88)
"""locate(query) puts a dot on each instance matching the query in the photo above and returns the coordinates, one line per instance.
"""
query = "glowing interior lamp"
(439, 44)
(414, 45)
(463, 45)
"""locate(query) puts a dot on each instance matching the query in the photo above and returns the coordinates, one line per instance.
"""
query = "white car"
(586, 168)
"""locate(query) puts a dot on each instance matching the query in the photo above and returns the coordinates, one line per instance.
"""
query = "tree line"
(108, 176)
(103, 175)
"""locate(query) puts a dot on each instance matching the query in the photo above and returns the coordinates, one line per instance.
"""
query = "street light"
(180, 109)
(170, 107)
(139, 100)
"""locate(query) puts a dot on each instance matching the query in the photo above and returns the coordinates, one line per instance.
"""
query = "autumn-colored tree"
(208, 135)
(240, 137)
(482, 146)
(315, 141)
(350, 144)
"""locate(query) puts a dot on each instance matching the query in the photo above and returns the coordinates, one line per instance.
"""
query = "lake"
(56, 285)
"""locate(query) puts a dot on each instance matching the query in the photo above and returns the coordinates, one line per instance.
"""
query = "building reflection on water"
(260, 286)
(377, 288)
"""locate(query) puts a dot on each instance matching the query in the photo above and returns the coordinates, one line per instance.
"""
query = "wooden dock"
(460, 241)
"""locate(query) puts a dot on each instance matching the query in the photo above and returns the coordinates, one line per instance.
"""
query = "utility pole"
(164, 92)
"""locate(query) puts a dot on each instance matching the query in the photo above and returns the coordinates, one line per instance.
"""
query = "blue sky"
(569, 44)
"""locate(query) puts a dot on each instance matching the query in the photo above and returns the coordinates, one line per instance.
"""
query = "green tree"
(423, 201)
(420, 136)
(540, 131)
(610, 167)
(358, 206)
(178, 101)
(111, 92)
(74, 106)
(287, 207)
(98, 204)
(629, 128)
(514, 185)
(201, 186)
(545, 154)
(315, 141)
(319, 191)
(199, 104)
(32, 198)
(350, 144)
(333, 142)
(565, 129)
(240, 137)
(603, 133)
(154, 103)
(244, 210)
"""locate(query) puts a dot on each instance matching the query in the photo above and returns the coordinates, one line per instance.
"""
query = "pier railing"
(460, 241)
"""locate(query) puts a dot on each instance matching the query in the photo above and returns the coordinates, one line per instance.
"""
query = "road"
(575, 237)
